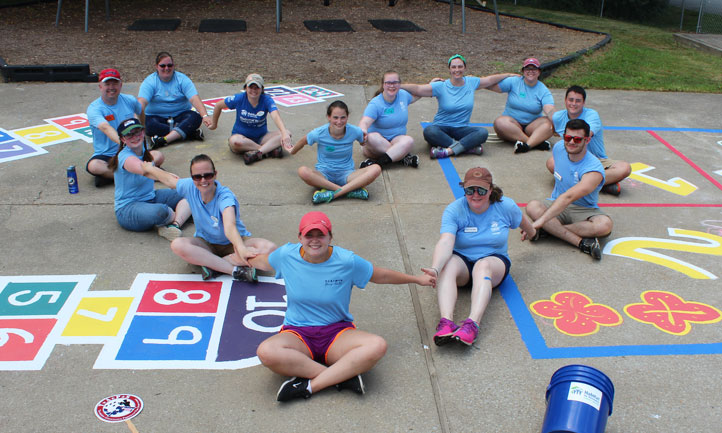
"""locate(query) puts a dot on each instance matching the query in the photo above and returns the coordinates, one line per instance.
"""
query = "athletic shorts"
(220, 250)
(319, 339)
(105, 158)
(606, 162)
(470, 266)
(574, 213)
(337, 177)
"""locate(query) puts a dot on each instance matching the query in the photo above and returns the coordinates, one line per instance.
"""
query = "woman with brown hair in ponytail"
(138, 206)
(472, 252)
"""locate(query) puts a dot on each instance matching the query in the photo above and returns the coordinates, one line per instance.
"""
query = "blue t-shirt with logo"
(389, 119)
(319, 294)
(208, 217)
(250, 120)
(334, 156)
(480, 235)
(524, 103)
(455, 103)
(131, 187)
(99, 112)
(169, 98)
(568, 173)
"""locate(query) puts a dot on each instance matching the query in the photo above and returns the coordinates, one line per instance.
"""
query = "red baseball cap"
(314, 220)
(109, 74)
(531, 61)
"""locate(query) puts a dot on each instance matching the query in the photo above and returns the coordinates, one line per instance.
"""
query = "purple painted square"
(15, 148)
(254, 313)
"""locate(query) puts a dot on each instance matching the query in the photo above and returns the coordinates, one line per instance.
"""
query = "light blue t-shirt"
(99, 112)
(568, 173)
(250, 120)
(207, 217)
(455, 103)
(167, 98)
(389, 119)
(334, 155)
(130, 187)
(524, 103)
(319, 294)
(589, 115)
(480, 235)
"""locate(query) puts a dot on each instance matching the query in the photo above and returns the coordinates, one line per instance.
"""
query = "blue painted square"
(4, 136)
(148, 338)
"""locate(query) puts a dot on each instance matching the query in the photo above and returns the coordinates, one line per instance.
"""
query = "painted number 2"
(640, 249)
(675, 185)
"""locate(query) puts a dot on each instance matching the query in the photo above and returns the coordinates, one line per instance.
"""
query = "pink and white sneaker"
(444, 331)
(467, 332)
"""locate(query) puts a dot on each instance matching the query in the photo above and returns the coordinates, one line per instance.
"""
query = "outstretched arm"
(285, 135)
(298, 146)
(527, 228)
(166, 178)
(231, 231)
(217, 111)
(442, 253)
(490, 81)
(587, 184)
(201, 109)
(419, 90)
(389, 276)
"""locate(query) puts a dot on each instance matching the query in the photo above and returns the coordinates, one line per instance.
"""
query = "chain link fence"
(706, 15)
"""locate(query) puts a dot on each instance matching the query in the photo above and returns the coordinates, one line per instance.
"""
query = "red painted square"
(180, 297)
(71, 122)
(21, 339)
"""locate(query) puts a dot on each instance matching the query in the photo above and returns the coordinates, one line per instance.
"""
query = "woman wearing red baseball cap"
(527, 117)
(318, 344)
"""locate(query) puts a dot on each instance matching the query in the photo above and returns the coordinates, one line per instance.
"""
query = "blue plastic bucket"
(579, 400)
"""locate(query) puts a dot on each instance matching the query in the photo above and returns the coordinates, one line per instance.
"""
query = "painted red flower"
(575, 314)
(670, 313)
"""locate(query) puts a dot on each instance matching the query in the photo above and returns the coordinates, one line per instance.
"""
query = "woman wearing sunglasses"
(167, 97)
(221, 243)
(384, 123)
(138, 205)
(527, 117)
(450, 133)
(472, 252)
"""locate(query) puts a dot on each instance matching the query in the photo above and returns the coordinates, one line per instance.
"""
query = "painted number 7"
(640, 249)
(675, 185)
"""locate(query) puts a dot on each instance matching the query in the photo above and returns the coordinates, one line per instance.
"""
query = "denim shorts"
(319, 339)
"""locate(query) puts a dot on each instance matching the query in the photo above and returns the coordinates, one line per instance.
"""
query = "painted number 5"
(13, 299)
(640, 249)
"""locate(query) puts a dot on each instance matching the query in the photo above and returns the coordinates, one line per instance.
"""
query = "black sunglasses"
(206, 176)
(469, 190)
(166, 65)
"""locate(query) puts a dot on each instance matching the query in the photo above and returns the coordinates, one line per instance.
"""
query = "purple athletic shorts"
(319, 339)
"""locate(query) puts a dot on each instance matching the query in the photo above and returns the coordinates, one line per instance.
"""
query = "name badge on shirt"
(470, 229)
(557, 175)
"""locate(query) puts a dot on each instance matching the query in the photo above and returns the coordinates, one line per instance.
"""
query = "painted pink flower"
(575, 314)
(670, 313)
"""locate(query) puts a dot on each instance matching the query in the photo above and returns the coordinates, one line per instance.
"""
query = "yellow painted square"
(98, 317)
(43, 134)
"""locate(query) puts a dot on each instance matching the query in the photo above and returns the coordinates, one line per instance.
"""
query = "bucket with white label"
(579, 400)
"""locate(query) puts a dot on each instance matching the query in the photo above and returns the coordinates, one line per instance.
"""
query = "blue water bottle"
(72, 180)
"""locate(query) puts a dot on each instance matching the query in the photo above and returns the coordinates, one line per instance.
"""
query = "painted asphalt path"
(109, 303)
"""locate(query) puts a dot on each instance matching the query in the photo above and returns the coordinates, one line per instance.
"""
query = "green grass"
(639, 57)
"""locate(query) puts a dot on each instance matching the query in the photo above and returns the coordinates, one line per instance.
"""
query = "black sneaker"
(208, 273)
(612, 188)
(276, 153)
(544, 145)
(252, 156)
(355, 384)
(198, 135)
(245, 273)
(157, 142)
(410, 160)
(295, 387)
(521, 147)
(540, 234)
(366, 162)
(591, 246)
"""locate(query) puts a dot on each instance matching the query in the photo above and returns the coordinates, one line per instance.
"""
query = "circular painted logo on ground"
(118, 408)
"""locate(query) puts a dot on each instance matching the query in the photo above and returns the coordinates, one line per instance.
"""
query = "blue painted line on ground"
(538, 349)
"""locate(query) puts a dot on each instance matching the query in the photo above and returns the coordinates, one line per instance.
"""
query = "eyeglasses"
(134, 133)
(165, 65)
(392, 83)
(206, 176)
(576, 140)
(469, 190)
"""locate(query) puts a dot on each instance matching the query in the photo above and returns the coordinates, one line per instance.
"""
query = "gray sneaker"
(170, 232)
(245, 273)
(410, 160)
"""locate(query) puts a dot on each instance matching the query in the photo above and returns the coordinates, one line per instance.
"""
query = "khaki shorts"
(574, 213)
(220, 250)
(606, 162)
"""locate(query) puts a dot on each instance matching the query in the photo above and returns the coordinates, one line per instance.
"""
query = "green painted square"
(31, 299)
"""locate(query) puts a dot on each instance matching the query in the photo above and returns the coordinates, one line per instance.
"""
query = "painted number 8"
(181, 296)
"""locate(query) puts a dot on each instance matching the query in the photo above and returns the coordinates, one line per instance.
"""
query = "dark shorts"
(319, 339)
(220, 250)
(105, 158)
(470, 266)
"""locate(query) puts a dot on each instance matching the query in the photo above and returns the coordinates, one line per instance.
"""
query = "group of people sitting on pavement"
(318, 344)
